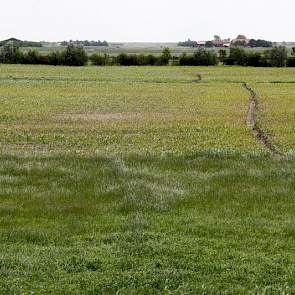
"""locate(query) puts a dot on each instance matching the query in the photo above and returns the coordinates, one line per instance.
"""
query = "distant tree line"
(201, 57)
(188, 43)
(75, 55)
(275, 57)
(85, 43)
(20, 43)
(124, 59)
(259, 43)
(71, 56)
(220, 43)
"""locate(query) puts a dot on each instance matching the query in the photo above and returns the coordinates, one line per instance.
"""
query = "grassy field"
(119, 180)
(136, 48)
(129, 48)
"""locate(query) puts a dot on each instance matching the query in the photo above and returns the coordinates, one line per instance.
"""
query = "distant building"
(201, 43)
(218, 42)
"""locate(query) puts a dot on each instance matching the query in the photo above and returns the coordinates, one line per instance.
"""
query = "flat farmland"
(134, 110)
(278, 107)
(146, 180)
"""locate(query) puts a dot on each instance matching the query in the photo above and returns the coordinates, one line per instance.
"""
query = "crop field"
(147, 180)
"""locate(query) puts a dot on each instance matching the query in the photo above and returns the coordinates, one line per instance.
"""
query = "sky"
(146, 20)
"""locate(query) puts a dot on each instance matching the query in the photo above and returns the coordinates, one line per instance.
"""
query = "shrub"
(151, 59)
(237, 56)
(254, 59)
(100, 60)
(277, 56)
(201, 57)
(31, 57)
(74, 56)
(188, 43)
(11, 54)
(165, 57)
(126, 60)
(291, 62)
(55, 58)
(259, 43)
(139, 60)
(222, 55)
(204, 57)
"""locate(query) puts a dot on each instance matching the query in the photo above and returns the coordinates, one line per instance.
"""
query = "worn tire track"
(252, 123)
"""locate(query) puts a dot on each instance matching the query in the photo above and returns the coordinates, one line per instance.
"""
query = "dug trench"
(252, 123)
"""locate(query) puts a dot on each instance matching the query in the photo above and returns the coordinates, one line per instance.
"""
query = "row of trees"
(72, 56)
(240, 41)
(188, 43)
(201, 57)
(75, 55)
(132, 59)
(85, 43)
(20, 43)
(259, 43)
(275, 57)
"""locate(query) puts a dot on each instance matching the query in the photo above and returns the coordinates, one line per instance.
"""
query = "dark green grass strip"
(198, 224)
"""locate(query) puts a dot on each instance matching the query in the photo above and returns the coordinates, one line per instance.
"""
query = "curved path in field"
(252, 122)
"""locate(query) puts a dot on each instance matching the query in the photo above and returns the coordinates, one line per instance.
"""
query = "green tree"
(74, 55)
(165, 57)
(55, 58)
(100, 60)
(277, 56)
(11, 54)
(222, 55)
(237, 56)
(31, 57)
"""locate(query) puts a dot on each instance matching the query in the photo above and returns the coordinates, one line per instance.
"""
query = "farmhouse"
(201, 43)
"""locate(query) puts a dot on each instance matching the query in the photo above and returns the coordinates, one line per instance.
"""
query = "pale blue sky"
(146, 20)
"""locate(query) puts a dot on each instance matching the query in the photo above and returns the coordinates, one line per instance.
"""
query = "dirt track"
(252, 123)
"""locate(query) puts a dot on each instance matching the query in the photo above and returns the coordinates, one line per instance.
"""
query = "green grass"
(135, 180)
(199, 224)
(278, 105)
(90, 109)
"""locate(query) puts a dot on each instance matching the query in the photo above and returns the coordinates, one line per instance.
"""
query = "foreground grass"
(146, 224)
